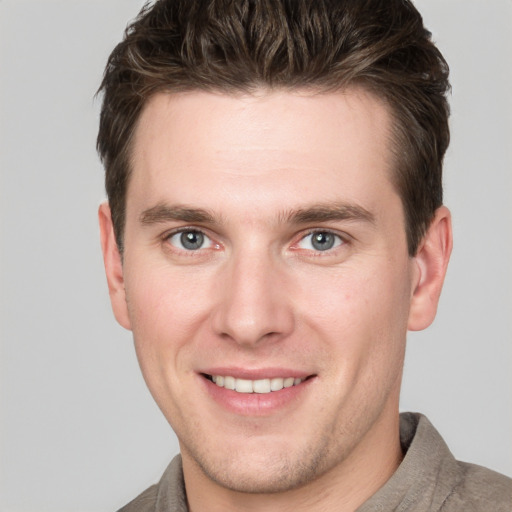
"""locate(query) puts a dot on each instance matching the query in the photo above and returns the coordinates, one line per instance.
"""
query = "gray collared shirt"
(429, 479)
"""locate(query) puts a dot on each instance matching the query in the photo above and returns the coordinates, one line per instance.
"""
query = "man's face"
(265, 245)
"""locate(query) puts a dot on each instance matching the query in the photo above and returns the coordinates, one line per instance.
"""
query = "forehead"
(278, 146)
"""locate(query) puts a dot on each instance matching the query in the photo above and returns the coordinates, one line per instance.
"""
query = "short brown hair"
(241, 45)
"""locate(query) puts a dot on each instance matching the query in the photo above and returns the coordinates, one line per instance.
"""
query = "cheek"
(358, 310)
(158, 294)
(165, 310)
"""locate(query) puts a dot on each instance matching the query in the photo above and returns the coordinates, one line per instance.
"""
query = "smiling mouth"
(254, 386)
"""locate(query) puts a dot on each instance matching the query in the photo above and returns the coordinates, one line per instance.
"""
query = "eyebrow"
(329, 212)
(164, 213)
(316, 213)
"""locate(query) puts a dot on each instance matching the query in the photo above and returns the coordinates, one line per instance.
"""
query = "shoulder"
(144, 502)
(480, 488)
(167, 494)
(432, 479)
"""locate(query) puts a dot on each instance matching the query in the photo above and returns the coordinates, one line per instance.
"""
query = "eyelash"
(168, 236)
(339, 241)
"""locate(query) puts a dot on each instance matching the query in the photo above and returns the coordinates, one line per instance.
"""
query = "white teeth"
(261, 386)
(255, 386)
(229, 382)
(288, 383)
(276, 384)
(243, 386)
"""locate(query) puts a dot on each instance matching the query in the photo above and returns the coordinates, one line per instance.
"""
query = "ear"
(113, 266)
(431, 262)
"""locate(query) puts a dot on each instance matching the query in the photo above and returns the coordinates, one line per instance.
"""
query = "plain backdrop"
(78, 429)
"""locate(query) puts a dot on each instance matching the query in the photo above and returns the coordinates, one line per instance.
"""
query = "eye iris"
(322, 241)
(192, 240)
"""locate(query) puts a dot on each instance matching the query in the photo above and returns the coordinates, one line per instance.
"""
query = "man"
(275, 226)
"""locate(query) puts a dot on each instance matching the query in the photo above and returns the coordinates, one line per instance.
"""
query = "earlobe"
(431, 261)
(113, 266)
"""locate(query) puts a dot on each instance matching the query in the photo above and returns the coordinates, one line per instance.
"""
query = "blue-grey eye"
(190, 240)
(320, 241)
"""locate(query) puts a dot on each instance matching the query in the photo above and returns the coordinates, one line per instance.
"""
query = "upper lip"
(256, 373)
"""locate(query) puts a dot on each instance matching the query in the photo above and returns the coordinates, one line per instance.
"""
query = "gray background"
(78, 430)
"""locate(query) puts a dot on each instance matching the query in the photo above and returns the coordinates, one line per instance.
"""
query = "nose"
(253, 303)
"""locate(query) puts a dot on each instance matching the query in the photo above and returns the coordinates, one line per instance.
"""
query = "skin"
(258, 297)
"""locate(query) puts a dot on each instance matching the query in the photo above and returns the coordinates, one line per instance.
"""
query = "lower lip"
(256, 404)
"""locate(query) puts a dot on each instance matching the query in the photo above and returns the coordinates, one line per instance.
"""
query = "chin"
(264, 471)
(267, 480)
